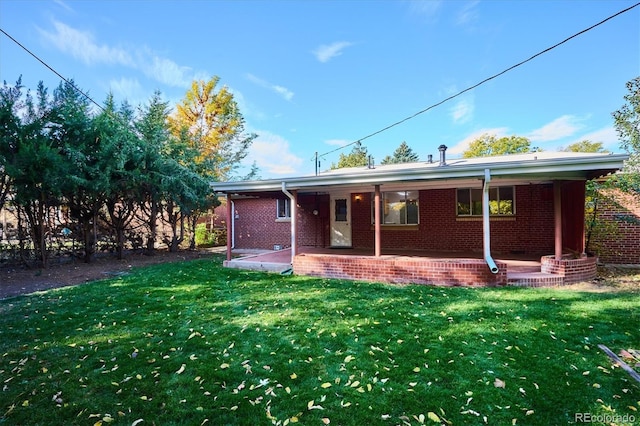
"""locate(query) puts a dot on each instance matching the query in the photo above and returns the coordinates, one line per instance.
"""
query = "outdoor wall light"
(358, 198)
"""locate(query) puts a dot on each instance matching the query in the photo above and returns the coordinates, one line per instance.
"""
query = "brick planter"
(401, 270)
(571, 269)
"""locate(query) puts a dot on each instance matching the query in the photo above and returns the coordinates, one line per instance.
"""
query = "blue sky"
(311, 76)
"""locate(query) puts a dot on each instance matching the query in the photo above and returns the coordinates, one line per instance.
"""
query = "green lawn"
(194, 344)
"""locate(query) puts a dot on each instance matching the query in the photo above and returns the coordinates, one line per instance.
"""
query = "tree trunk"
(153, 226)
(88, 240)
(193, 219)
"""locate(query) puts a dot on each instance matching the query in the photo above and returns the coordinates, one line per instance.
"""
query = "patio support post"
(230, 219)
(294, 213)
(557, 215)
(376, 218)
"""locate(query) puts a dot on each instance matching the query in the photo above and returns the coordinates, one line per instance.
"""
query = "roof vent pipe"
(443, 158)
(430, 159)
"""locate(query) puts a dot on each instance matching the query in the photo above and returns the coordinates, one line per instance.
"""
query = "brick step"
(533, 279)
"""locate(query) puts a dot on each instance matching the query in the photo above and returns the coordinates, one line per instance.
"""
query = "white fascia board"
(547, 168)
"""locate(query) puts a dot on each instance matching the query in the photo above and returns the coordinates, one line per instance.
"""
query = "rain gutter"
(486, 234)
(293, 214)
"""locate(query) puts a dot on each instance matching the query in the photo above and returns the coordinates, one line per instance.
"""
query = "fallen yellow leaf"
(433, 417)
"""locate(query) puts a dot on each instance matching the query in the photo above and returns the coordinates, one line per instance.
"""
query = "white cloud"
(462, 111)
(468, 14)
(82, 46)
(607, 135)
(337, 142)
(326, 52)
(126, 88)
(561, 127)
(462, 146)
(272, 155)
(63, 5)
(425, 8)
(280, 90)
(166, 71)
(284, 92)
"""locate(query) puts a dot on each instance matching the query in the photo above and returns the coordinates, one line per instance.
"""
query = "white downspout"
(485, 224)
(293, 219)
(233, 223)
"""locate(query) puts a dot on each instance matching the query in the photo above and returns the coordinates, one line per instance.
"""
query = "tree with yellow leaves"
(210, 122)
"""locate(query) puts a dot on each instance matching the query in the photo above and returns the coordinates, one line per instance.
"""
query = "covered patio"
(510, 220)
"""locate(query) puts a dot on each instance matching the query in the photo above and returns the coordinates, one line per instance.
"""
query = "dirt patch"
(17, 281)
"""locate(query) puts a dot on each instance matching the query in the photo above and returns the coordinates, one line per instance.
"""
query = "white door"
(341, 220)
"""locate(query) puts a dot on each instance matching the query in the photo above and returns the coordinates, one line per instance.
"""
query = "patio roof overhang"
(509, 169)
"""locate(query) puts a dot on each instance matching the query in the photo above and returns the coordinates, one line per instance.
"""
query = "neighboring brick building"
(616, 235)
(528, 204)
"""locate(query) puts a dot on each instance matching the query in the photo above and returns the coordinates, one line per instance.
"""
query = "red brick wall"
(388, 269)
(531, 231)
(620, 215)
(256, 226)
(572, 270)
(314, 228)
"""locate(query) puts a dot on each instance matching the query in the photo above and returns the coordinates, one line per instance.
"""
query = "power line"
(483, 81)
(69, 82)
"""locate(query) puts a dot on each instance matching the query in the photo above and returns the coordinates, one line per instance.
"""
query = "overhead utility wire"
(53, 70)
(483, 81)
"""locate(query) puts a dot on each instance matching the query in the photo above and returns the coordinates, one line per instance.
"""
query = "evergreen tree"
(154, 137)
(10, 127)
(123, 149)
(83, 189)
(402, 154)
(37, 170)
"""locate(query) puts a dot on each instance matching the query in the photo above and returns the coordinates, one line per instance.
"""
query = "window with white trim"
(501, 201)
(398, 208)
(284, 208)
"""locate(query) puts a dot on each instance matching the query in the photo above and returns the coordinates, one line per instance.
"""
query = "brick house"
(443, 222)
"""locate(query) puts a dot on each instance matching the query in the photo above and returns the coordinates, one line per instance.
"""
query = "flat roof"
(529, 167)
